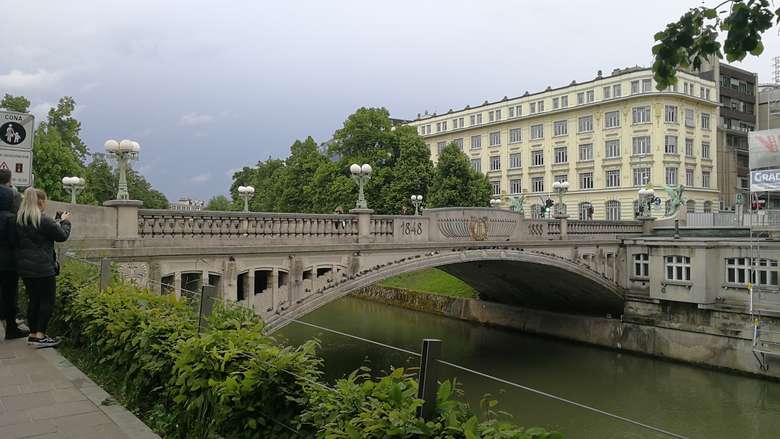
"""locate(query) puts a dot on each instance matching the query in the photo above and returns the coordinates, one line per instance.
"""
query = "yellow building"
(607, 137)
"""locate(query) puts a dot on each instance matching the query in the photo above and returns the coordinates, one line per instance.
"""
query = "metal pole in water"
(429, 376)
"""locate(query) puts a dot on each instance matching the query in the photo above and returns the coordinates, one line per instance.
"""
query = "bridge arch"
(513, 276)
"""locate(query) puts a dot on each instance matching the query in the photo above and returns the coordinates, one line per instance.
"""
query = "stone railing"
(474, 224)
(603, 227)
(382, 225)
(227, 225)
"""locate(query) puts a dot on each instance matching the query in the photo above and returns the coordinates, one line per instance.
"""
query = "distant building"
(187, 204)
(768, 106)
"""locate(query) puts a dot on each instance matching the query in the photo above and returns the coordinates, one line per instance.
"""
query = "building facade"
(768, 106)
(607, 137)
(187, 204)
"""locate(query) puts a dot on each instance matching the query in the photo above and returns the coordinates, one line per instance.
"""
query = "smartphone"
(58, 215)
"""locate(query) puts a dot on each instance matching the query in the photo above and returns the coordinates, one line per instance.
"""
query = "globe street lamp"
(361, 174)
(123, 151)
(416, 201)
(560, 188)
(495, 202)
(646, 200)
(246, 192)
(74, 185)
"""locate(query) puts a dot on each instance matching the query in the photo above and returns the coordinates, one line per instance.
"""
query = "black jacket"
(35, 247)
(9, 203)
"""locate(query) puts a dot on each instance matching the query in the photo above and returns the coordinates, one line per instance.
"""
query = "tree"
(219, 203)
(51, 162)
(61, 119)
(412, 173)
(456, 183)
(15, 103)
(140, 189)
(693, 39)
(296, 181)
(101, 179)
(365, 137)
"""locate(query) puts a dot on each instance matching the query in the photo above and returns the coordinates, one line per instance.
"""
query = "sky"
(209, 87)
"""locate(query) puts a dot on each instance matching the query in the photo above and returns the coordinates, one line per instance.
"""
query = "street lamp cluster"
(123, 151)
(560, 188)
(246, 192)
(495, 202)
(646, 199)
(74, 185)
(361, 174)
(417, 201)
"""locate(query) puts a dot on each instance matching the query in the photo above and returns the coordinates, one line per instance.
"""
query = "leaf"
(470, 428)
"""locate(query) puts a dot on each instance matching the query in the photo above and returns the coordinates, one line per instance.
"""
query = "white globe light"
(250, 189)
(565, 185)
(642, 192)
(354, 169)
(136, 147)
(125, 145)
(557, 185)
(65, 180)
(414, 197)
(81, 181)
(366, 168)
(241, 189)
(111, 145)
(651, 191)
(419, 198)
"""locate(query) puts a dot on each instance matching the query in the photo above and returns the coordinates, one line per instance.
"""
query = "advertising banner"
(764, 148)
(765, 181)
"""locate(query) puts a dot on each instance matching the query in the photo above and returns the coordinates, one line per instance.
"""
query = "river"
(690, 401)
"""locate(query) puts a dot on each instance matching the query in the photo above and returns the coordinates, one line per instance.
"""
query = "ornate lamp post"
(560, 188)
(417, 201)
(246, 192)
(495, 202)
(646, 200)
(74, 185)
(123, 151)
(361, 174)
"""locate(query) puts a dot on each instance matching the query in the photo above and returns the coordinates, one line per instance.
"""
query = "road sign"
(19, 162)
(740, 199)
(16, 130)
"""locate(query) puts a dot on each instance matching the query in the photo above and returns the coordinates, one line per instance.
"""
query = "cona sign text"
(16, 130)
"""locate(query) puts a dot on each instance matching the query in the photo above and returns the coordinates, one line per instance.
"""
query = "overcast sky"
(209, 87)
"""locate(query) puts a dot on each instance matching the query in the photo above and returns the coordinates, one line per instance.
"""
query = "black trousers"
(41, 291)
(9, 290)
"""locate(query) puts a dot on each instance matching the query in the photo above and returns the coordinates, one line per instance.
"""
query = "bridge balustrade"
(589, 227)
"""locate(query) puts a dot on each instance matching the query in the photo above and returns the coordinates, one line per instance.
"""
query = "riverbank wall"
(715, 338)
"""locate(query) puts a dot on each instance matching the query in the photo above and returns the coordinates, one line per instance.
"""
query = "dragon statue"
(676, 199)
(516, 203)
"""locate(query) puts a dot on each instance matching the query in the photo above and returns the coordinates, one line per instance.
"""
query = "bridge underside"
(537, 286)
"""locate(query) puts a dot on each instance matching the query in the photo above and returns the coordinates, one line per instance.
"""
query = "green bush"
(231, 381)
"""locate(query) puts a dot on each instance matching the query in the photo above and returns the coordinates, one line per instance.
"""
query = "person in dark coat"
(36, 261)
(10, 200)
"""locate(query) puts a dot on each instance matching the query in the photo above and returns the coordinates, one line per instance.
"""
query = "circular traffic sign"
(12, 133)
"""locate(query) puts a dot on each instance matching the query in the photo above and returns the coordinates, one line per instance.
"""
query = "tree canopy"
(456, 183)
(689, 41)
(219, 203)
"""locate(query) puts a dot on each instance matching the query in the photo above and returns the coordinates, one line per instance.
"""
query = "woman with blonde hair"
(36, 261)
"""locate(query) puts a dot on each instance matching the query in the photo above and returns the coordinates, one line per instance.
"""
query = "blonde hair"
(30, 211)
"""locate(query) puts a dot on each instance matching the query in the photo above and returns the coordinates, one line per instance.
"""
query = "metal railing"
(761, 218)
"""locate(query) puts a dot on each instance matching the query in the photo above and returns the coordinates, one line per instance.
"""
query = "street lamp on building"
(560, 188)
(123, 151)
(74, 185)
(495, 202)
(246, 192)
(361, 175)
(417, 201)
(646, 200)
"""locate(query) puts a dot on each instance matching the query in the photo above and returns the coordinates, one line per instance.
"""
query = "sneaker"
(31, 340)
(16, 333)
(45, 342)
(20, 324)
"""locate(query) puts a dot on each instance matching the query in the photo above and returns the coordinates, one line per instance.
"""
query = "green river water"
(690, 401)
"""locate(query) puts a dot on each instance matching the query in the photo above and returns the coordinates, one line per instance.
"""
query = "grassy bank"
(432, 281)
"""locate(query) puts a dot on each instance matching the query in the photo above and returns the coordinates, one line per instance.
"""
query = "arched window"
(585, 211)
(690, 206)
(707, 206)
(613, 210)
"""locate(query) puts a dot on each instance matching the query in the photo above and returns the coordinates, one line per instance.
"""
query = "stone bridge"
(285, 265)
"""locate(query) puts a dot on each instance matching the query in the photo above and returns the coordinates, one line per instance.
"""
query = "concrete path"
(42, 395)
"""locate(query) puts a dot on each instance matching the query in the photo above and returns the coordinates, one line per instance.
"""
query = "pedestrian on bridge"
(36, 261)
(9, 280)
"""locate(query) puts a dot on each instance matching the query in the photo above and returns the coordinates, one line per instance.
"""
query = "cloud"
(201, 178)
(195, 119)
(19, 80)
(88, 87)
(41, 111)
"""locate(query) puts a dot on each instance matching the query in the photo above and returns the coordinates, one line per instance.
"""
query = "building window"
(671, 176)
(537, 184)
(617, 91)
(586, 180)
(689, 177)
(511, 112)
(561, 155)
(670, 114)
(613, 178)
(495, 185)
(689, 122)
(738, 271)
(641, 176)
(705, 180)
(689, 147)
(580, 98)
(459, 143)
(606, 92)
(440, 146)
(765, 272)
(705, 150)
(641, 265)
(678, 268)
(585, 124)
(438, 127)
(537, 158)
(540, 106)
(641, 114)
(490, 116)
(515, 111)
(590, 96)
(670, 145)
(515, 135)
(476, 164)
(707, 207)
(495, 138)
(560, 128)
(444, 126)
(476, 119)
(613, 210)
(634, 87)
(495, 163)
(612, 119)
(647, 85)
(555, 103)
(641, 145)
(564, 101)
(514, 160)
(498, 114)
(560, 178)
(705, 121)
(537, 131)
(515, 186)
(707, 94)
(586, 151)
(476, 142)
(612, 149)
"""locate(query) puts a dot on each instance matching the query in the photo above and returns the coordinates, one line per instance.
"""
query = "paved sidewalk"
(42, 395)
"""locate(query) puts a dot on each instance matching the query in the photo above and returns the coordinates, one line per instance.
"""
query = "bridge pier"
(364, 224)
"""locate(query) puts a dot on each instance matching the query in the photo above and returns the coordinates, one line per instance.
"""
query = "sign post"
(16, 144)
